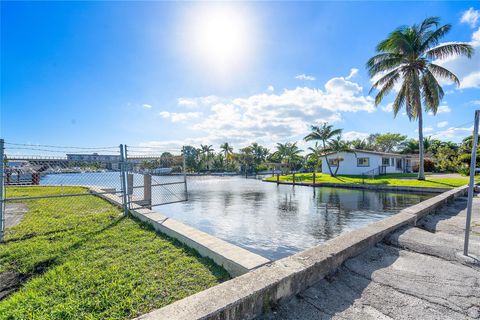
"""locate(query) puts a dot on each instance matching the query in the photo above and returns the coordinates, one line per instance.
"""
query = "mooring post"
(313, 177)
(2, 193)
(147, 190)
(278, 178)
(293, 178)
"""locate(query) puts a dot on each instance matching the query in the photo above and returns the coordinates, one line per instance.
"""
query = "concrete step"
(440, 244)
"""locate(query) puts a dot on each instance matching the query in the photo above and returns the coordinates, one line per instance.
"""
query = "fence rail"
(147, 178)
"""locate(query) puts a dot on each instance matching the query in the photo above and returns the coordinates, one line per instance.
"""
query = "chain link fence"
(128, 176)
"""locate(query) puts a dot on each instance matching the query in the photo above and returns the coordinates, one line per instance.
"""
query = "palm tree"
(315, 155)
(206, 151)
(408, 56)
(227, 151)
(337, 145)
(288, 153)
(324, 134)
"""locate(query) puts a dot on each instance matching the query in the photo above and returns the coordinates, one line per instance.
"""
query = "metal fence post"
(2, 190)
(123, 178)
(471, 186)
(185, 173)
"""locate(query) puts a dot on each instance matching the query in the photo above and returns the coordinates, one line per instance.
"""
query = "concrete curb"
(235, 260)
(254, 293)
(365, 186)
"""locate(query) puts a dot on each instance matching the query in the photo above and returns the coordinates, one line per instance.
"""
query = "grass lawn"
(389, 180)
(80, 259)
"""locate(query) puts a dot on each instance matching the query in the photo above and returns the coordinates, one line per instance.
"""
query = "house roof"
(388, 154)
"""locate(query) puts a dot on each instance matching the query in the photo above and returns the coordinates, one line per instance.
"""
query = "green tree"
(227, 151)
(324, 134)
(407, 56)
(388, 142)
(289, 154)
(206, 152)
(447, 159)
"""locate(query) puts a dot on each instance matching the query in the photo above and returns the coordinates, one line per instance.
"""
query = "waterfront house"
(368, 162)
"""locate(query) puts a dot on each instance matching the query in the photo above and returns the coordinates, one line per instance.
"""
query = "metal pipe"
(185, 173)
(473, 165)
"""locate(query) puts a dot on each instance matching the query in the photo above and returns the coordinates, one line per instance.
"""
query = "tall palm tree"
(206, 151)
(227, 151)
(323, 134)
(407, 56)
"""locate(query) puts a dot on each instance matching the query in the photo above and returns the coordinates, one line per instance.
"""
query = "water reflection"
(276, 221)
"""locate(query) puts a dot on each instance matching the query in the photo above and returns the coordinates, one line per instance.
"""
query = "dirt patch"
(14, 213)
(10, 281)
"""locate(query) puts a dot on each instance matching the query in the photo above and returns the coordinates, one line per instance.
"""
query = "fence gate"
(155, 176)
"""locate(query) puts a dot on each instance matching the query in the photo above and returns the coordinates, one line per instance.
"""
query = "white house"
(368, 162)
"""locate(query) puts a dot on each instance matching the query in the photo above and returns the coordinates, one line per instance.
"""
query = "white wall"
(349, 163)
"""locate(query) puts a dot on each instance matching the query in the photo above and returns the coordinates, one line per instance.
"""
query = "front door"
(399, 164)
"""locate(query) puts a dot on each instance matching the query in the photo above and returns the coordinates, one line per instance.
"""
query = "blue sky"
(166, 74)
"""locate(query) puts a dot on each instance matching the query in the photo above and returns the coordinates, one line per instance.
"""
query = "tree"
(337, 145)
(314, 158)
(447, 159)
(360, 144)
(191, 158)
(407, 56)
(206, 151)
(288, 153)
(246, 159)
(227, 151)
(259, 154)
(323, 134)
(388, 142)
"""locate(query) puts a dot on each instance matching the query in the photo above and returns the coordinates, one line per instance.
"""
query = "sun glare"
(220, 37)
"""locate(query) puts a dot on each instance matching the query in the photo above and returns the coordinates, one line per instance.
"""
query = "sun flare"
(221, 37)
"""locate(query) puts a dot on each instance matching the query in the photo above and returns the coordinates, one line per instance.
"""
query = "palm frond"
(391, 76)
(432, 92)
(399, 100)
(450, 49)
(441, 72)
(386, 88)
(432, 38)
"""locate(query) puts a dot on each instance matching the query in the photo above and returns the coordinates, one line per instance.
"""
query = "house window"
(399, 164)
(363, 162)
(392, 162)
(385, 162)
(333, 162)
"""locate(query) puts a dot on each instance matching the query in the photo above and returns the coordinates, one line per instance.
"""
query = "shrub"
(428, 166)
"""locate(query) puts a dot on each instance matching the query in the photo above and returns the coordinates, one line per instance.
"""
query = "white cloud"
(352, 135)
(197, 101)
(471, 17)
(179, 116)
(442, 109)
(271, 88)
(442, 124)
(304, 77)
(467, 70)
(388, 107)
(271, 117)
(453, 134)
(475, 102)
(147, 106)
(353, 73)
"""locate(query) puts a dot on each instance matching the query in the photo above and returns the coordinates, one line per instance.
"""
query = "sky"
(166, 74)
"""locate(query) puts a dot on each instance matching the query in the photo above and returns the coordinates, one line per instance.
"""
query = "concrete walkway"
(14, 213)
(415, 273)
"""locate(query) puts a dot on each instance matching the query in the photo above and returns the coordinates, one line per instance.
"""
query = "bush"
(465, 171)
(428, 166)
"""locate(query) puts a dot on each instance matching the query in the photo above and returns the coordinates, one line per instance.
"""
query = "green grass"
(83, 260)
(389, 180)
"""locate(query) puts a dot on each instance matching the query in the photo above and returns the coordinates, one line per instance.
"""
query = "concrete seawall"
(374, 187)
(255, 292)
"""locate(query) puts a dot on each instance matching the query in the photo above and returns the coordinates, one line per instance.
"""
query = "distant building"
(93, 157)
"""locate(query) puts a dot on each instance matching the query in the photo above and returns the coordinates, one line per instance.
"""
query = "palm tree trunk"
(421, 173)
(336, 170)
(326, 159)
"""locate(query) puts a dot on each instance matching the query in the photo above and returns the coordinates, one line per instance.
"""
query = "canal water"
(270, 220)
